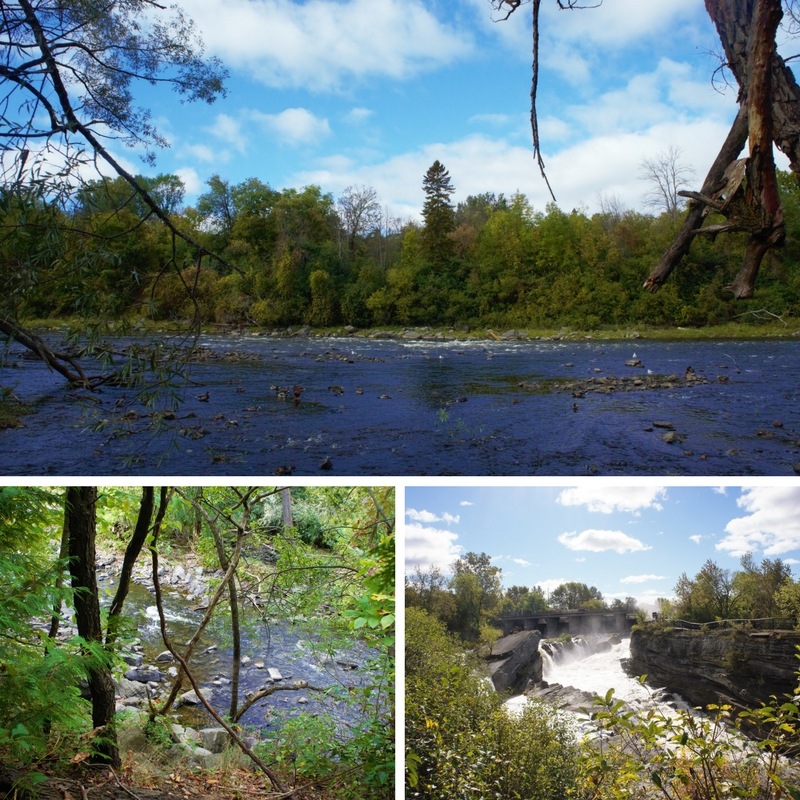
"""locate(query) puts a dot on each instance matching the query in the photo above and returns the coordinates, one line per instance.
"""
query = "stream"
(394, 407)
(298, 655)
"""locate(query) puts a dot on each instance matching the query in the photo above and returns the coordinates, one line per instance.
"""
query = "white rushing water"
(597, 673)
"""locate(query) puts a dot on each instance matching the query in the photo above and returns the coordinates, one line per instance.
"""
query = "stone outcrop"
(566, 697)
(726, 666)
(514, 662)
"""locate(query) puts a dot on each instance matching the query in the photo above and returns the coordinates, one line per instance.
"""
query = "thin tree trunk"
(286, 508)
(63, 553)
(131, 554)
(80, 520)
(233, 596)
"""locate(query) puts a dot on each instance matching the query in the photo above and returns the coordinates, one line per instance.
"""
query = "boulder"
(274, 674)
(515, 661)
(164, 657)
(214, 739)
(129, 688)
(567, 697)
(191, 699)
(145, 675)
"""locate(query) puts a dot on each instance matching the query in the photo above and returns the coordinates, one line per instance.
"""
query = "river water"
(298, 654)
(599, 672)
(377, 407)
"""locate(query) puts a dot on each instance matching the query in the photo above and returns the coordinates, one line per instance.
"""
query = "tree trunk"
(80, 521)
(286, 507)
(131, 554)
(770, 97)
(698, 211)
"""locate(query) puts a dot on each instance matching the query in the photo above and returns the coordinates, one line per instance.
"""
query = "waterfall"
(574, 664)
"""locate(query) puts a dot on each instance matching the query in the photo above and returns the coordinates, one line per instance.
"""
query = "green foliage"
(573, 595)
(460, 740)
(686, 756)
(491, 262)
(756, 591)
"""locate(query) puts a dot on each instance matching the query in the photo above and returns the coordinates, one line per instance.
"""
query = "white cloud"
(721, 490)
(642, 578)
(429, 516)
(320, 44)
(550, 584)
(614, 498)
(597, 541)
(522, 562)
(357, 115)
(426, 547)
(580, 560)
(772, 524)
(191, 180)
(229, 130)
(466, 503)
(202, 152)
(696, 538)
(295, 126)
(790, 561)
(618, 22)
(590, 166)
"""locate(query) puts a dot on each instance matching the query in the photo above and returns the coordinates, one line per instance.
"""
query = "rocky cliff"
(724, 666)
(515, 661)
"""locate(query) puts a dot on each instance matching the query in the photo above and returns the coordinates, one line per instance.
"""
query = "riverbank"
(761, 328)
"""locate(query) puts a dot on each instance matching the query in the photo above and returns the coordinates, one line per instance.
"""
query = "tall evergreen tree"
(439, 216)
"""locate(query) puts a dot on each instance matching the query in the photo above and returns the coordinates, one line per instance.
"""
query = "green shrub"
(461, 742)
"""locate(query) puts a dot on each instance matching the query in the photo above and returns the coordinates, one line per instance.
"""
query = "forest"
(200, 640)
(295, 257)
(461, 741)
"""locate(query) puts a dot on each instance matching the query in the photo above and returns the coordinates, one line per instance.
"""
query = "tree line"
(754, 591)
(303, 257)
(467, 601)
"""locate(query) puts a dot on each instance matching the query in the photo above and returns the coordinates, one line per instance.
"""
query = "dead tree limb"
(296, 686)
(735, 141)
(176, 686)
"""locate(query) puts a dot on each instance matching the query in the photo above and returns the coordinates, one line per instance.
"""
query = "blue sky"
(625, 540)
(371, 92)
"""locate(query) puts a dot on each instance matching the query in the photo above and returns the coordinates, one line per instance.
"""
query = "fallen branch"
(124, 788)
(761, 311)
(296, 686)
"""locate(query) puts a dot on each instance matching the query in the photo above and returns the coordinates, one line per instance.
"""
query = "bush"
(461, 742)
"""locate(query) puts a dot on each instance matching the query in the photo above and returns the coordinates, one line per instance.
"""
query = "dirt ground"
(99, 783)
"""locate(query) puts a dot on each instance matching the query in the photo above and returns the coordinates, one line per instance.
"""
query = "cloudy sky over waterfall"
(371, 92)
(625, 540)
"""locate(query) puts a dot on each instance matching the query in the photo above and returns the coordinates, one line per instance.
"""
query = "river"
(599, 672)
(380, 407)
(296, 651)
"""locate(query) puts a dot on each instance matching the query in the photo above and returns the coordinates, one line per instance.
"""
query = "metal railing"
(767, 623)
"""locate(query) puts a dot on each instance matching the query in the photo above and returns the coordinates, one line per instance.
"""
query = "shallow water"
(281, 645)
(448, 408)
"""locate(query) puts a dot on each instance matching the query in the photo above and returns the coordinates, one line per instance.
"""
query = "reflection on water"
(411, 408)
